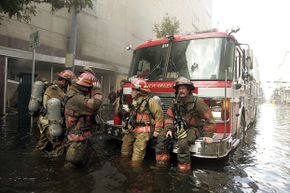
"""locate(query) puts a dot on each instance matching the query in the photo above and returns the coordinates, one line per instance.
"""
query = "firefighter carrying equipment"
(55, 120)
(183, 81)
(36, 97)
(179, 123)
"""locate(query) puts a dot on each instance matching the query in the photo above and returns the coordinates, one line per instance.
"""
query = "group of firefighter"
(66, 117)
(79, 99)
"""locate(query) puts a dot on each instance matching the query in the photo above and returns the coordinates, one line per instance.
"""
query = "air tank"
(54, 117)
(36, 96)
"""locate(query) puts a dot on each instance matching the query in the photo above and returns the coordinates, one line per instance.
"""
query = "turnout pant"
(183, 154)
(134, 145)
(162, 147)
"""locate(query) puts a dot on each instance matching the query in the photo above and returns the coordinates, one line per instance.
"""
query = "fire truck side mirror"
(251, 77)
(129, 47)
(245, 75)
(250, 58)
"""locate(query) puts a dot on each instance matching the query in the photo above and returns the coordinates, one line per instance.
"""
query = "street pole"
(33, 43)
(32, 82)
(33, 68)
(51, 73)
(5, 86)
(73, 36)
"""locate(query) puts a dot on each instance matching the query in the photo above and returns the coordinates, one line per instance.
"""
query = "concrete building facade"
(102, 36)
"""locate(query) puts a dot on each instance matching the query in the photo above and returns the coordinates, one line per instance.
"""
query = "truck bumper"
(114, 131)
(220, 147)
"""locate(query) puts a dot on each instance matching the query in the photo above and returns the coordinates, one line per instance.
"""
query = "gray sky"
(264, 25)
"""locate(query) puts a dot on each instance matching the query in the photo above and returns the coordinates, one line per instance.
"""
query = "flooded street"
(260, 164)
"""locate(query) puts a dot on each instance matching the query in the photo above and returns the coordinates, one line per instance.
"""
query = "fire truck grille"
(166, 101)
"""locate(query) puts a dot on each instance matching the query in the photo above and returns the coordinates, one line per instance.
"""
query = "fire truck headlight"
(216, 114)
(127, 91)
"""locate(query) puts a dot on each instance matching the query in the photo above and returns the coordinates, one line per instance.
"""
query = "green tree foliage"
(168, 26)
(23, 9)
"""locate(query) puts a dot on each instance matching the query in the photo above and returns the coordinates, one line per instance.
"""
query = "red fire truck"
(220, 69)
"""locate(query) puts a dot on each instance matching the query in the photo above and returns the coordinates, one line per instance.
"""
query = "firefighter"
(118, 103)
(145, 116)
(187, 118)
(48, 141)
(81, 106)
(90, 70)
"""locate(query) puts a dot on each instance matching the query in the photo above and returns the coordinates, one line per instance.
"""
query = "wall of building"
(103, 32)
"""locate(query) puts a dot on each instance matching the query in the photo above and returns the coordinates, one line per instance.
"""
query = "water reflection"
(271, 166)
(260, 164)
(266, 152)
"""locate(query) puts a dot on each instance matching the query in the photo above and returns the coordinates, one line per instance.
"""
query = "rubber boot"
(162, 160)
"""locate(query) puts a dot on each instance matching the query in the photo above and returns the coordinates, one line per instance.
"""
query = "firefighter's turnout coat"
(80, 111)
(199, 122)
(148, 117)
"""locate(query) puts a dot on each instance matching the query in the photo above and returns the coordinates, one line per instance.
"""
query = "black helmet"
(87, 69)
(183, 81)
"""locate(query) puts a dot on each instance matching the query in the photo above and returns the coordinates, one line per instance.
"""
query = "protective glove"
(169, 134)
(126, 127)
(208, 139)
(125, 131)
(125, 108)
(43, 111)
(181, 133)
(155, 134)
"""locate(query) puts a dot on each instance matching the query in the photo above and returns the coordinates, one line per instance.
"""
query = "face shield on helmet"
(86, 79)
(183, 81)
(140, 85)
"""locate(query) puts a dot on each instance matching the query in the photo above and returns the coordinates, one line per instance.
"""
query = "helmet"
(183, 81)
(140, 85)
(87, 69)
(86, 79)
(67, 75)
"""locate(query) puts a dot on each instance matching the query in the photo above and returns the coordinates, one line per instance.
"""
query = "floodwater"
(260, 164)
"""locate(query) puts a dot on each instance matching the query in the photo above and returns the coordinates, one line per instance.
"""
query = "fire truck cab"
(220, 69)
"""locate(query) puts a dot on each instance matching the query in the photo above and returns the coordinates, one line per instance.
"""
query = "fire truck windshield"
(197, 59)
(149, 62)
